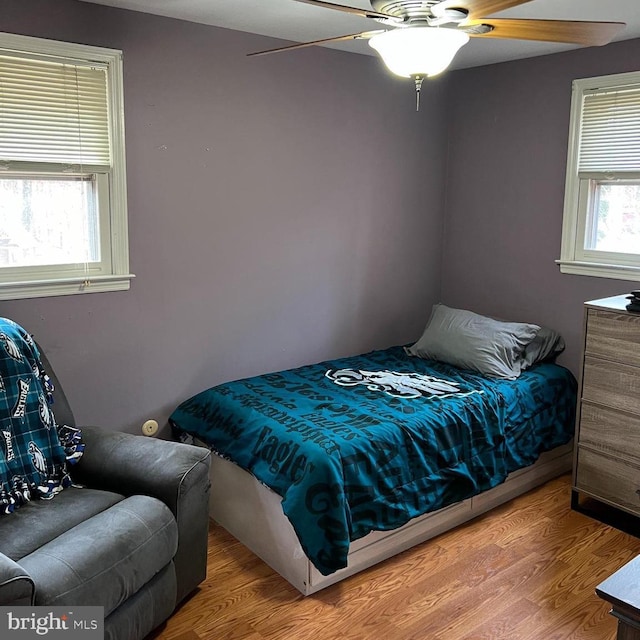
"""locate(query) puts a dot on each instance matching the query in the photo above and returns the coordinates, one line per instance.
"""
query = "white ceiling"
(294, 21)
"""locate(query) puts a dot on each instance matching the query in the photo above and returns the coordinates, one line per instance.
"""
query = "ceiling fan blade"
(365, 13)
(477, 8)
(572, 32)
(301, 45)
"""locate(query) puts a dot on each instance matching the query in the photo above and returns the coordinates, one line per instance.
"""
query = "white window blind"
(610, 132)
(53, 111)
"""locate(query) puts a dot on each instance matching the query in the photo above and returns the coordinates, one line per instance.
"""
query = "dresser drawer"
(613, 480)
(610, 431)
(613, 336)
(611, 384)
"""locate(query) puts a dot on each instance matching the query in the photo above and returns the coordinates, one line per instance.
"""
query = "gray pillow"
(545, 346)
(471, 341)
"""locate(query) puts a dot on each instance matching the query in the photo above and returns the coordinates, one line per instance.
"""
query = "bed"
(327, 469)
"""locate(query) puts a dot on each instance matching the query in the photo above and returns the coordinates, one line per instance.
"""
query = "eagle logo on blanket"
(37, 458)
(10, 347)
(397, 384)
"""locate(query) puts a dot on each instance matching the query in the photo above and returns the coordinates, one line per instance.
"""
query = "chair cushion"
(41, 521)
(106, 559)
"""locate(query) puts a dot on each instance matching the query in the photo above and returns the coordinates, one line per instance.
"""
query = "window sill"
(617, 272)
(64, 287)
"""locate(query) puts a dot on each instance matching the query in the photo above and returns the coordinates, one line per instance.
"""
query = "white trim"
(65, 286)
(57, 49)
(570, 213)
(592, 85)
(118, 181)
(615, 271)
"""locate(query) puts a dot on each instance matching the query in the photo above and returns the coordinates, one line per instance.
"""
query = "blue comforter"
(369, 442)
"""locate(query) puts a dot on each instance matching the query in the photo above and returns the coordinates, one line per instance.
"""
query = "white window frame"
(579, 190)
(112, 274)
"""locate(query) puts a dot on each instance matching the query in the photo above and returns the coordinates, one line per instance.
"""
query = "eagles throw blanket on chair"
(34, 449)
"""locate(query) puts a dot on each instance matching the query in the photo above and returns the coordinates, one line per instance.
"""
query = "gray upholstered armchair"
(132, 538)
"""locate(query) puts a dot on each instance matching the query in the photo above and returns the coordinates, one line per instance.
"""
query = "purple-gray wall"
(508, 137)
(282, 210)
(288, 209)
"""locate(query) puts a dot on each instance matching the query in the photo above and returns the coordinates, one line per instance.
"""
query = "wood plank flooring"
(525, 571)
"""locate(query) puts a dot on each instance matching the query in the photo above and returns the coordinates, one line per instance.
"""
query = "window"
(63, 207)
(601, 224)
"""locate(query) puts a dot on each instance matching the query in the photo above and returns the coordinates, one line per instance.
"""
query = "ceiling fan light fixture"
(418, 51)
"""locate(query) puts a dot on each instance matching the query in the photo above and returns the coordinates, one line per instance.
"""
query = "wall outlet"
(150, 428)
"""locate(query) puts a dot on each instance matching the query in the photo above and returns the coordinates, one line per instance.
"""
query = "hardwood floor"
(525, 571)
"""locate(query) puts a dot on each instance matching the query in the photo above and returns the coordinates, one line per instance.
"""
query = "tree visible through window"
(47, 222)
(616, 219)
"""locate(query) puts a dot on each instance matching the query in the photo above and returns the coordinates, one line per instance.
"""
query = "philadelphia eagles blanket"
(369, 442)
(34, 449)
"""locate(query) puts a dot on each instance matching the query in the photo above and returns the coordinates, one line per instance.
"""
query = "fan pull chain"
(418, 81)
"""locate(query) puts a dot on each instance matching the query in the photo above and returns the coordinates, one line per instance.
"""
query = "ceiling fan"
(423, 36)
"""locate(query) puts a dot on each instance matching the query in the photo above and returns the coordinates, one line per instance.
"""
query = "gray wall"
(282, 210)
(509, 126)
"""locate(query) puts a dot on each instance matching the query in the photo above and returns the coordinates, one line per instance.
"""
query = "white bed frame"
(253, 514)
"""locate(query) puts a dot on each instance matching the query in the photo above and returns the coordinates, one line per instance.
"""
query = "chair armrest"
(16, 585)
(175, 473)
(133, 465)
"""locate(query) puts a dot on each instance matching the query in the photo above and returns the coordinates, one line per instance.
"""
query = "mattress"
(369, 442)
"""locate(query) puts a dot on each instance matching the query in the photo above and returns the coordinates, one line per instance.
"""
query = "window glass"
(616, 218)
(48, 221)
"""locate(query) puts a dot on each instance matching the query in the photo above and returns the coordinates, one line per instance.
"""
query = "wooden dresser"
(607, 451)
